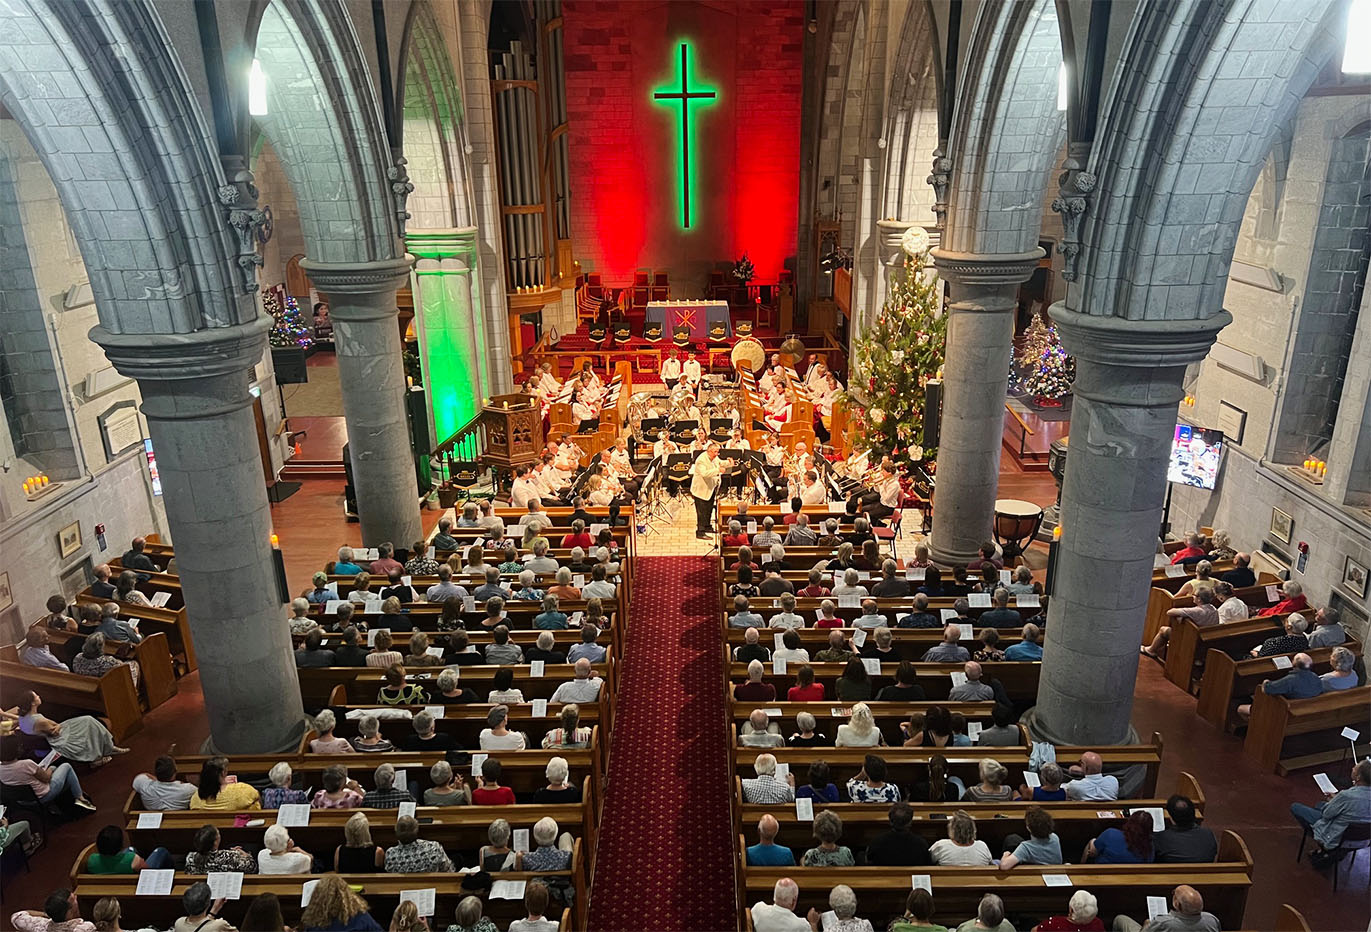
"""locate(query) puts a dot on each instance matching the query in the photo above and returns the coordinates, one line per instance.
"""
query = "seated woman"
(361, 588)
(842, 561)
(559, 789)
(744, 585)
(358, 854)
(369, 738)
(552, 853)
(339, 791)
(734, 536)
(281, 855)
(828, 828)
(451, 691)
(819, 787)
(397, 691)
(1131, 844)
(335, 906)
(113, 855)
(497, 736)
(551, 618)
(805, 689)
(527, 590)
(869, 785)
(936, 787)
(1342, 675)
(870, 558)
(50, 784)
(563, 588)
(509, 560)
(418, 655)
(346, 564)
(221, 790)
(860, 731)
(992, 787)
(960, 848)
(854, 685)
(569, 734)
(937, 731)
(394, 617)
(206, 857)
(1050, 789)
(280, 793)
(319, 592)
(504, 691)
(382, 653)
(126, 590)
(81, 738)
(327, 742)
(744, 559)
(987, 648)
(449, 787)
(806, 735)
(579, 536)
(816, 588)
(93, 661)
(498, 855)
(475, 564)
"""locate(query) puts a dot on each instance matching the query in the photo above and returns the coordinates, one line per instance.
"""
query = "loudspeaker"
(933, 412)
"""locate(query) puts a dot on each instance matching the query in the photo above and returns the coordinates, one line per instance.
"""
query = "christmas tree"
(1049, 381)
(894, 360)
(289, 328)
(1035, 339)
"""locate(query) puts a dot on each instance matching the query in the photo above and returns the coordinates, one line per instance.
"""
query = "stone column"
(982, 291)
(366, 330)
(195, 397)
(1128, 384)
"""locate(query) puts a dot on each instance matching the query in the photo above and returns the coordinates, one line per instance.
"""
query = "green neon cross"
(683, 96)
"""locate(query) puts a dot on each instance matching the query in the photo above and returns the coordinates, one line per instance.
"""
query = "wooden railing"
(1024, 430)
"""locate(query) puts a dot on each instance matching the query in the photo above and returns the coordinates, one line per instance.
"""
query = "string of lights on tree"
(288, 327)
(896, 357)
(1049, 380)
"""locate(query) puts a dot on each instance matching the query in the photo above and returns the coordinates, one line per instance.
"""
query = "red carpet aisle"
(665, 858)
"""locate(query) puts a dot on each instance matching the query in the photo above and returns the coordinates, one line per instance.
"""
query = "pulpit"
(514, 431)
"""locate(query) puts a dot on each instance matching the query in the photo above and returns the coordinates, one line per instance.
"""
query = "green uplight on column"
(683, 96)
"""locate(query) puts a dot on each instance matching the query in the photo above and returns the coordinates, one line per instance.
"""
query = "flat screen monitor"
(1195, 456)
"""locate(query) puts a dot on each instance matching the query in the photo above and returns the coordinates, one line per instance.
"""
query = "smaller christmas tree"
(1030, 349)
(289, 328)
(1049, 381)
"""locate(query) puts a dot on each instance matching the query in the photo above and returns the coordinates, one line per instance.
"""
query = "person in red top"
(579, 536)
(735, 536)
(805, 689)
(490, 792)
(1084, 916)
(744, 559)
(1192, 551)
(827, 617)
(795, 506)
(1294, 600)
(754, 690)
(816, 588)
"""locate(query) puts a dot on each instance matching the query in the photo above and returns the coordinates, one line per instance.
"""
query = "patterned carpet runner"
(665, 856)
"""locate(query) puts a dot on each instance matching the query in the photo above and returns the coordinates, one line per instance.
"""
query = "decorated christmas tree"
(894, 360)
(289, 327)
(1049, 381)
(1035, 339)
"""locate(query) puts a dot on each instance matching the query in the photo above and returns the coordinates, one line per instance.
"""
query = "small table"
(697, 315)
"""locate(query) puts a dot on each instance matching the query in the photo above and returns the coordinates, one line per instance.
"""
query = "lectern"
(514, 431)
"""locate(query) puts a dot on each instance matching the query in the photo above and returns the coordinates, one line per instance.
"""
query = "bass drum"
(748, 353)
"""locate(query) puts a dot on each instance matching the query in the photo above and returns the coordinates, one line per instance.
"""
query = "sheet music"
(307, 891)
(521, 840)
(437, 711)
(1325, 784)
(154, 883)
(406, 809)
(804, 809)
(402, 780)
(1006, 577)
(540, 708)
(331, 606)
(149, 820)
(48, 758)
(947, 614)
(371, 635)
(225, 885)
(849, 600)
(958, 678)
(1158, 817)
(434, 652)
(1056, 880)
(858, 637)
(160, 599)
(1027, 600)
(782, 770)
(1156, 906)
(535, 668)
(778, 666)
(973, 731)
(1282, 662)
(921, 882)
(507, 890)
(422, 899)
(1175, 570)
(966, 633)
(1031, 780)
(915, 573)
(476, 761)
(979, 599)
(293, 815)
(1272, 594)
(873, 665)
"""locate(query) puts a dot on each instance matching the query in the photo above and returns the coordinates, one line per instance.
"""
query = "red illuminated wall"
(624, 210)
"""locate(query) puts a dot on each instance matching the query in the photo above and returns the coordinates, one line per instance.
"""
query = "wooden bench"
(157, 676)
(172, 622)
(1120, 888)
(1189, 646)
(1275, 719)
(1160, 599)
(110, 697)
(1227, 682)
(1019, 677)
(362, 683)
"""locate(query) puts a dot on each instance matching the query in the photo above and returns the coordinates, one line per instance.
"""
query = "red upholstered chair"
(659, 278)
(661, 293)
(642, 276)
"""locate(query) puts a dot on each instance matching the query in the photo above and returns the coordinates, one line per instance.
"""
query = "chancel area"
(770, 465)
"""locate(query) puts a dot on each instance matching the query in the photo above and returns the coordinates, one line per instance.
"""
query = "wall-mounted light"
(257, 89)
(1061, 87)
(1356, 54)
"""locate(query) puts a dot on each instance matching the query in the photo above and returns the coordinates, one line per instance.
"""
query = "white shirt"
(768, 917)
(890, 492)
(1234, 609)
(671, 368)
(704, 476)
(522, 490)
(1094, 786)
(578, 691)
(158, 795)
(814, 494)
(691, 370)
(583, 412)
(287, 862)
(620, 461)
(947, 852)
(512, 741)
(798, 655)
(598, 589)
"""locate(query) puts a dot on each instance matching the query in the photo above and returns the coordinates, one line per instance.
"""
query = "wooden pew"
(362, 683)
(1120, 888)
(157, 677)
(1190, 644)
(110, 697)
(172, 622)
(1019, 677)
(888, 714)
(1227, 681)
(1160, 598)
(1276, 719)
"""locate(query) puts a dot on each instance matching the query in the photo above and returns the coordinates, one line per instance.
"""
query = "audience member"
(1202, 613)
(949, 651)
(1292, 641)
(1131, 844)
(766, 853)
(412, 854)
(1091, 782)
(327, 742)
(1294, 600)
(779, 914)
(1300, 683)
(806, 734)
(860, 731)
(220, 790)
(1042, 846)
(339, 791)
(1186, 915)
(1331, 818)
(1083, 915)
(334, 906)
(898, 846)
(207, 857)
(584, 688)
(1184, 840)
(281, 855)
(828, 829)
(973, 690)
(765, 788)
(960, 848)
(869, 785)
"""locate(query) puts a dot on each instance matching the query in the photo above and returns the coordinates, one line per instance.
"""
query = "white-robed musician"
(671, 371)
(880, 497)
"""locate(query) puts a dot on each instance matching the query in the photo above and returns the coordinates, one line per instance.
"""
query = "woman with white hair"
(1341, 676)
(346, 564)
(528, 590)
(369, 736)
(851, 585)
(860, 730)
(806, 733)
(960, 848)
(279, 793)
(992, 787)
(497, 736)
(559, 787)
(843, 901)
(470, 917)
(1083, 913)
(1220, 546)
(358, 854)
(498, 855)
(449, 787)
(300, 622)
(552, 853)
(564, 589)
(281, 855)
(328, 743)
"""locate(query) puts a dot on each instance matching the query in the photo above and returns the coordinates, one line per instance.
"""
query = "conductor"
(704, 483)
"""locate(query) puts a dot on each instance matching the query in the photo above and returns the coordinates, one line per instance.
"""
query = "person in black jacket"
(898, 847)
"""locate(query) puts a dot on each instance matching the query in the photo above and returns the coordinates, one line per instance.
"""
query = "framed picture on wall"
(69, 539)
(6, 595)
(1282, 525)
(1354, 578)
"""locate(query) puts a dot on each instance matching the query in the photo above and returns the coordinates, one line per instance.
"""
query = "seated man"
(989, 557)
(1184, 840)
(1241, 575)
(949, 651)
(1328, 631)
(102, 588)
(765, 788)
(1292, 641)
(160, 789)
(1202, 613)
(502, 651)
(386, 795)
(136, 559)
(869, 619)
(1331, 818)
(584, 688)
(115, 629)
(766, 853)
(800, 533)
(787, 618)
(545, 650)
(921, 617)
(412, 854)
(779, 914)
(743, 616)
(1001, 615)
(767, 536)
(313, 654)
(444, 540)
(755, 690)
(837, 650)
(751, 648)
(1300, 683)
(973, 690)
(1187, 915)
(491, 588)
(891, 585)
(760, 732)
(1030, 648)
(37, 653)
(1090, 782)
(899, 846)
(773, 584)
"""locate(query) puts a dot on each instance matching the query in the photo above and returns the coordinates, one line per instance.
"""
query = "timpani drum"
(1016, 524)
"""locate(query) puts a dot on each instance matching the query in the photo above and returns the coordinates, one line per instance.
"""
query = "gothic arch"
(1006, 130)
(911, 124)
(94, 85)
(324, 121)
(433, 131)
(1201, 98)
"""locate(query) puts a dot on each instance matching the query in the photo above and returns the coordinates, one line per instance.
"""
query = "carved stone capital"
(965, 268)
(1147, 344)
(359, 290)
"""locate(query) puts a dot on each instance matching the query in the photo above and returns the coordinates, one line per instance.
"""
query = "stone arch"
(1006, 130)
(324, 121)
(1203, 97)
(128, 151)
(433, 132)
(911, 124)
